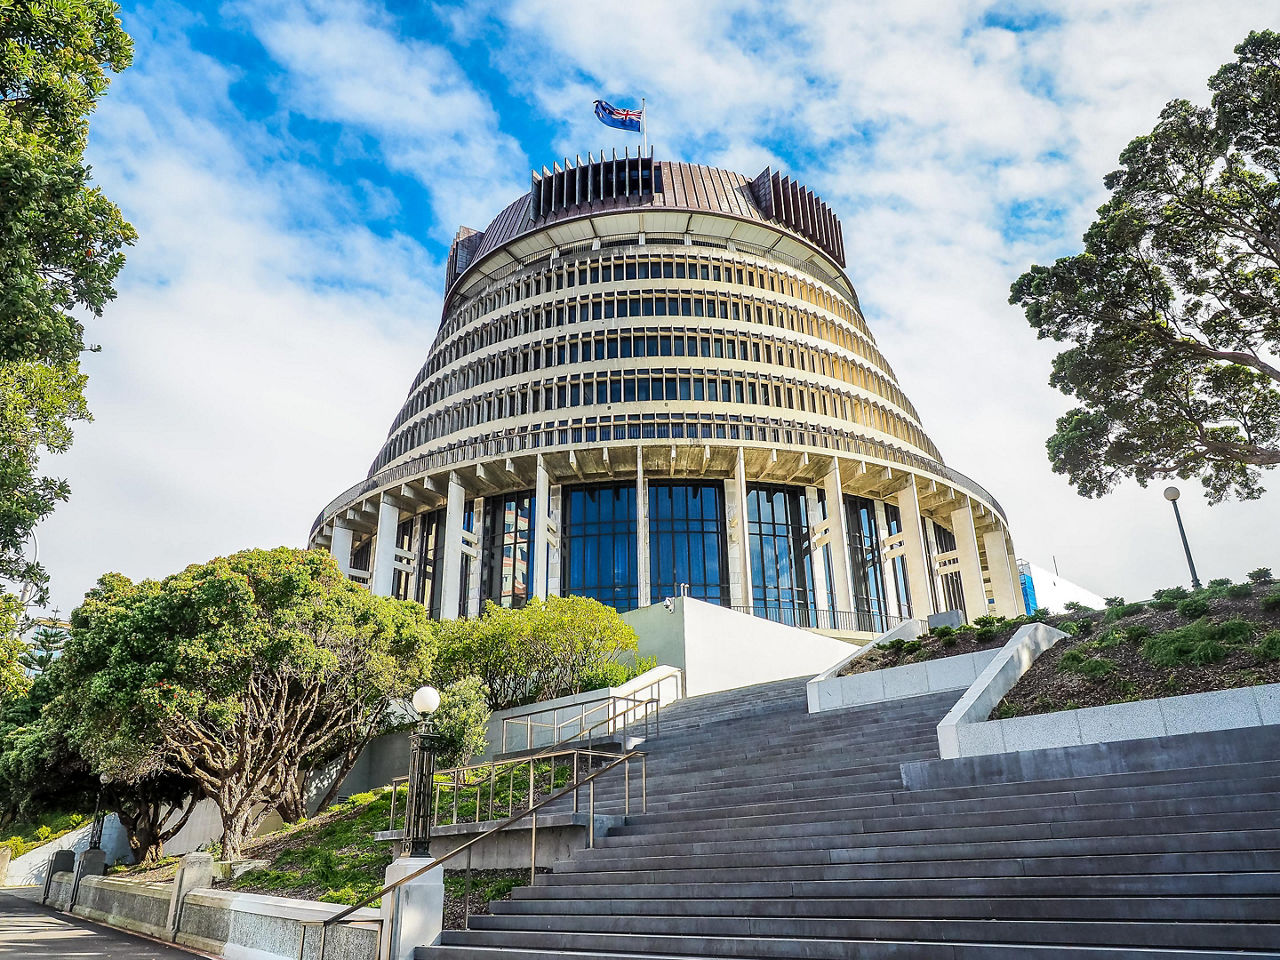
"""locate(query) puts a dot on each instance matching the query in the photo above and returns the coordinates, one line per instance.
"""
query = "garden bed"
(1183, 644)
(988, 633)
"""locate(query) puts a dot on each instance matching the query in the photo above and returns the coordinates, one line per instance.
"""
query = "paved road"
(29, 931)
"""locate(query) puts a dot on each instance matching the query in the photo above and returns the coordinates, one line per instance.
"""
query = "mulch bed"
(1048, 687)
(934, 648)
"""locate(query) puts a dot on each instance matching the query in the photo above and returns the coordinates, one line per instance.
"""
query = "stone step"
(794, 932)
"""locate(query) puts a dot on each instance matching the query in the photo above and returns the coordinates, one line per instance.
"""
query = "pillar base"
(413, 913)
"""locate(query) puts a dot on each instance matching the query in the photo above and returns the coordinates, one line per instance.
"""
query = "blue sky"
(296, 169)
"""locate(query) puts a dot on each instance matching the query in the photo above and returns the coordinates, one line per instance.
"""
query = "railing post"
(576, 790)
(466, 898)
(644, 783)
(531, 784)
(493, 769)
(533, 847)
(626, 787)
(591, 815)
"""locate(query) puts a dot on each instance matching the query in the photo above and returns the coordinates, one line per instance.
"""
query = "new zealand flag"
(612, 116)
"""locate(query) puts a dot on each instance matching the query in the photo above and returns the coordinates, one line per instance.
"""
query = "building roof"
(607, 184)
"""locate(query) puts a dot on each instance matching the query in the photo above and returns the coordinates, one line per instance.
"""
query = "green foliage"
(987, 621)
(1071, 606)
(984, 634)
(1080, 661)
(1172, 310)
(462, 721)
(546, 649)
(1201, 642)
(911, 646)
(60, 248)
(25, 836)
(941, 632)
(1194, 607)
(185, 675)
(43, 648)
(1163, 604)
(1113, 602)
(1260, 576)
(1171, 593)
(1238, 591)
(1124, 610)
(1271, 601)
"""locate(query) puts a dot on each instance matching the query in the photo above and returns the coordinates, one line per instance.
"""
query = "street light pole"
(422, 773)
(1171, 494)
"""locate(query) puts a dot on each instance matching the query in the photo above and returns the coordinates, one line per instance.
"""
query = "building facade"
(654, 379)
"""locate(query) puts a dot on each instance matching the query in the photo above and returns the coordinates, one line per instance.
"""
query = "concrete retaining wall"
(238, 926)
(966, 731)
(28, 870)
(896, 683)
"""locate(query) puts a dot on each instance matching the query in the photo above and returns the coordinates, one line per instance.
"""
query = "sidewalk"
(29, 931)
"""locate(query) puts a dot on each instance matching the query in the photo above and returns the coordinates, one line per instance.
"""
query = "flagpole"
(644, 129)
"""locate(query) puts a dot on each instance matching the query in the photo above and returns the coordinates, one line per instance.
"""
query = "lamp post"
(95, 830)
(1171, 494)
(422, 771)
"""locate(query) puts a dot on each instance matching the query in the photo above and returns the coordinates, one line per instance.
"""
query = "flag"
(612, 116)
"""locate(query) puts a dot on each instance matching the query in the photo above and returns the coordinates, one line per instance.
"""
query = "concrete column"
(451, 586)
(975, 593)
(413, 913)
(555, 531)
(340, 545)
(841, 570)
(1005, 587)
(817, 560)
(919, 576)
(195, 872)
(472, 599)
(739, 547)
(382, 577)
(541, 504)
(642, 530)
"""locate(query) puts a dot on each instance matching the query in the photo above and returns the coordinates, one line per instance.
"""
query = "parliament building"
(654, 379)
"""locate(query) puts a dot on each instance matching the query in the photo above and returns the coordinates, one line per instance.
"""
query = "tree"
(237, 673)
(461, 723)
(43, 648)
(1173, 307)
(542, 650)
(61, 244)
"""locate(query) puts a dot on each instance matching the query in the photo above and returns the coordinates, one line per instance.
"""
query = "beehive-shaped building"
(653, 379)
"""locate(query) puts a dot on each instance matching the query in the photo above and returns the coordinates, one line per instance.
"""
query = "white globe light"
(426, 700)
(1171, 493)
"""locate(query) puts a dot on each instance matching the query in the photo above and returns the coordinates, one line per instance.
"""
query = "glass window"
(600, 544)
(781, 568)
(687, 542)
(893, 518)
(507, 569)
(864, 563)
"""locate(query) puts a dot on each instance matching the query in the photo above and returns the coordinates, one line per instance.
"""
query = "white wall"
(1054, 592)
(720, 649)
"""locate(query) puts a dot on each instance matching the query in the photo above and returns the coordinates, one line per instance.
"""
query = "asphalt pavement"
(29, 931)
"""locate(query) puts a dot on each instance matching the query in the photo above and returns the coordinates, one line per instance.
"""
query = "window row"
(651, 342)
(608, 387)
(611, 267)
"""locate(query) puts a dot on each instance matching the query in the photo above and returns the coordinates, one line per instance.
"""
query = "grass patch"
(25, 836)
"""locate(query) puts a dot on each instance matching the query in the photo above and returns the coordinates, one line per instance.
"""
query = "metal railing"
(554, 728)
(575, 788)
(809, 618)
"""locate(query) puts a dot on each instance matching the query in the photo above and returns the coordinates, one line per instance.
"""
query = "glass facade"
(952, 592)
(864, 563)
(600, 545)
(506, 571)
(430, 535)
(902, 588)
(402, 581)
(781, 568)
(687, 542)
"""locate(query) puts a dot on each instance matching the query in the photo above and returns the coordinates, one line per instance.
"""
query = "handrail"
(529, 723)
(514, 762)
(576, 785)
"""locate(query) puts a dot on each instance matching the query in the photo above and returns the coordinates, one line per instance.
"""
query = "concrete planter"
(828, 691)
(966, 731)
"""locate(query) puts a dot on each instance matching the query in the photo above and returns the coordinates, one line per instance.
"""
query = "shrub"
(1217, 588)
(1171, 593)
(1084, 627)
(1069, 627)
(941, 632)
(1193, 608)
(1260, 576)
(984, 634)
(1268, 647)
(987, 621)
(1163, 604)
(1128, 610)
(911, 646)
(1238, 591)
(1271, 601)
(948, 641)
(1072, 606)
(1038, 615)
(461, 723)
(1200, 642)
(1114, 602)
(1078, 661)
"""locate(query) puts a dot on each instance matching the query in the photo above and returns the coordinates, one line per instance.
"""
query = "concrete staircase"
(774, 833)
